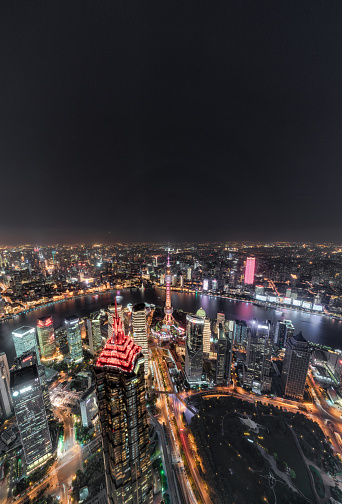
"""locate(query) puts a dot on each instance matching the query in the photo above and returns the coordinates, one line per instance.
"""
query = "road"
(172, 408)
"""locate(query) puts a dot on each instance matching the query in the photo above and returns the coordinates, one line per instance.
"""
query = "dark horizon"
(165, 122)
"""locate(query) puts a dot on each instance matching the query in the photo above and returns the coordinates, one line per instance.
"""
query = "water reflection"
(316, 328)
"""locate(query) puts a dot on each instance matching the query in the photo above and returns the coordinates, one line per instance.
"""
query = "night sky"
(167, 120)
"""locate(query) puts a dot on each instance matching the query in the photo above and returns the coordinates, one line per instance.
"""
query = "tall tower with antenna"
(168, 310)
(120, 388)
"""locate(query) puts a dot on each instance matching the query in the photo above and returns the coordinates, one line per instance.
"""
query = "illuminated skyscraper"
(250, 270)
(224, 357)
(5, 393)
(240, 333)
(24, 339)
(74, 338)
(194, 348)
(256, 375)
(295, 366)
(46, 338)
(120, 387)
(283, 331)
(140, 331)
(168, 310)
(31, 417)
(94, 333)
(30, 359)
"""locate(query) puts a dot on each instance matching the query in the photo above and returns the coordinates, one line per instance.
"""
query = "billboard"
(307, 305)
(287, 300)
(272, 299)
(297, 302)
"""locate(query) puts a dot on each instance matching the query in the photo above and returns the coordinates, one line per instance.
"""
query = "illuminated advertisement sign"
(272, 299)
(205, 285)
(317, 307)
(259, 297)
(297, 302)
(307, 305)
(287, 300)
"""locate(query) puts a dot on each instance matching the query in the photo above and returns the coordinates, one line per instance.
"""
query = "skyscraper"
(5, 392)
(74, 338)
(240, 333)
(249, 271)
(120, 387)
(194, 348)
(140, 331)
(256, 375)
(168, 310)
(46, 338)
(94, 333)
(29, 358)
(206, 330)
(295, 366)
(283, 331)
(224, 357)
(24, 339)
(31, 416)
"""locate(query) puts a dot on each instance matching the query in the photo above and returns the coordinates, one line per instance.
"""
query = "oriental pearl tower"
(168, 310)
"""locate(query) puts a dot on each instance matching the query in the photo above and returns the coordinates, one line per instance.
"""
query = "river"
(315, 328)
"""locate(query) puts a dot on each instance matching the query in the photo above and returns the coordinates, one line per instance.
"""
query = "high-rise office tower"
(168, 310)
(250, 270)
(283, 331)
(29, 358)
(206, 336)
(24, 339)
(256, 375)
(224, 357)
(31, 417)
(205, 286)
(194, 348)
(240, 333)
(206, 330)
(74, 338)
(295, 366)
(214, 285)
(120, 388)
(188, 274)
(46, 338)
(94, 333)
(5, 392)
(140, 331)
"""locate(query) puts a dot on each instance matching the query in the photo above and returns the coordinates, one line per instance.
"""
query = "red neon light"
(249, 271)
(47, 323)
(27, 358)
(120, 350)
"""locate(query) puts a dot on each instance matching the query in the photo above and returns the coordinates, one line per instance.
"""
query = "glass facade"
(72, 326)
(46, 338)
(194, 348)
(30, 413)
(24, 339)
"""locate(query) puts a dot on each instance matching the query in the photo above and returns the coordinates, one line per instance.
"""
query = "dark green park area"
(235, 468)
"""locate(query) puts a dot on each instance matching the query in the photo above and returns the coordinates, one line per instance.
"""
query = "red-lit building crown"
(120, 350)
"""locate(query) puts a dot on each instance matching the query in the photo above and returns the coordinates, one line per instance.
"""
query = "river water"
(315, 328)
